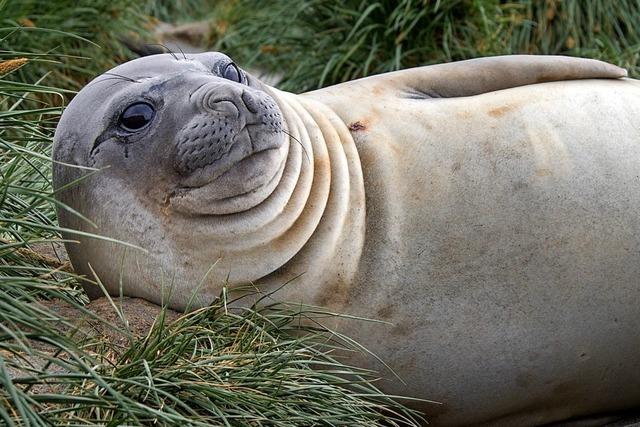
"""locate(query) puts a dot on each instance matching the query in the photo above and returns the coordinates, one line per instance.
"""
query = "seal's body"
(486, 210)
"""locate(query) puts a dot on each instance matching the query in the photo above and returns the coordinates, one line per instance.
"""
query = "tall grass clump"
(230, 366)
(179, 10)
(72, 40)
(314, 43)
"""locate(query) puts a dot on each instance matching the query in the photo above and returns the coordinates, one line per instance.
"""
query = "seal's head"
(176, 155)
(195, 133)
(217, 177)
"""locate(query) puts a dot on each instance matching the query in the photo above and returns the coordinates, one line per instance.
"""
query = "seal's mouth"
(238, 188)
(229, 156)
(224, 155)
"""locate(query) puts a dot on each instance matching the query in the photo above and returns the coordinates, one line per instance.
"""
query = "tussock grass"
(72, 40)
(177, 11)
(314, 43)
(216, 366)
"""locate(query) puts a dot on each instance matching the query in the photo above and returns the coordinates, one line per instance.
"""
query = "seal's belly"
(506, 229)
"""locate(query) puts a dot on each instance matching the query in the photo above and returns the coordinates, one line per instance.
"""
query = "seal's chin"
(238, 188)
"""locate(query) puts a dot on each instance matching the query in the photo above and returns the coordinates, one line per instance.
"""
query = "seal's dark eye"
(136, 116)
(232, 72)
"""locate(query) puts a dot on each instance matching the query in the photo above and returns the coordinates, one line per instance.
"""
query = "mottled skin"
(487, 210)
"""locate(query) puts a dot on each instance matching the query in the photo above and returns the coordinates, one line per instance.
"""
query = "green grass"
(215, 366)
(82, 38)
(313, 43)
(177, 11)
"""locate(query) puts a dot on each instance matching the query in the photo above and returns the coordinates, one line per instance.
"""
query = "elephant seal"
(486, 210)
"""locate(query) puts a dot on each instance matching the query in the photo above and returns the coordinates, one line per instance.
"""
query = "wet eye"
(232, 72)
(136, 116)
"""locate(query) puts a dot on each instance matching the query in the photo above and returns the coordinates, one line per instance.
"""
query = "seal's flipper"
(476, 76)
(482, 75)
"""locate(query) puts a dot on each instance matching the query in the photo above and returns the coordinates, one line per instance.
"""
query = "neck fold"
(313, 222)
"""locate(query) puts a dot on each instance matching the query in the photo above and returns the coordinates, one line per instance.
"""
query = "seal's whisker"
(120, 77)
(118, 80)
(286, 132)
(166, 48)
(182, 52)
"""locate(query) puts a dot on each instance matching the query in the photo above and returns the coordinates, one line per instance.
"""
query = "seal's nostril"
(249, 102)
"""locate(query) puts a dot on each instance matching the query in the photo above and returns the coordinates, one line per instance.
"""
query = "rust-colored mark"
(500, 111)
(397, 150)
(464, 115)
(335, 296)
(385, 312)
(357, 126)
(543, 172)
(402, 329)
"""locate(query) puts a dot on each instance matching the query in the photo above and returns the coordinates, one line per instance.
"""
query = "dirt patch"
(138, 316)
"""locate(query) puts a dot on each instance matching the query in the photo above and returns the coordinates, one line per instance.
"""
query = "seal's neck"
(311, 225)
(329, 230)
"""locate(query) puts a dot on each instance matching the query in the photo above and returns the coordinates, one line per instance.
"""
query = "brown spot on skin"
(401, 329)
(334, 296)
(357, 126)
(385, 312)
(500, 111)
(396, 150)
(543, 172)
(321, 162)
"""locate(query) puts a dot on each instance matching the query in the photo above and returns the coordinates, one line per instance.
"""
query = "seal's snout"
(217, 98)
(205, 139)
(250, 102)
(233, 126)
